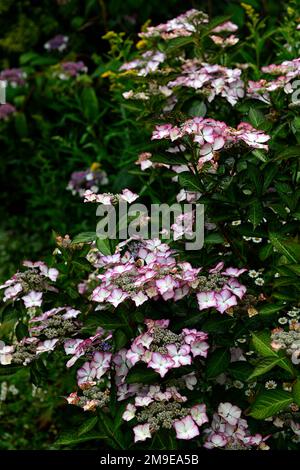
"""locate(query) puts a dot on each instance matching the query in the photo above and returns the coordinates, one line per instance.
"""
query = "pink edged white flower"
(33, 299)
(101, 363)
(181, 356)
(190, 380)
(216, 269)
(71, 347)
(12, 292)
(100, 294)
(165, 131)
(144, 160)
(228, 26)
(253, 440)
(135, 353)
(186, 428)
(236, 288)
(199, 348)
(229, 412)
(233, 272)
(161, 363)
(46, 346)
(129, 412)
(116, 297)
(143, 401)
(193, 335)
(128, 196)
(141, 432)
(51, 273)
(104, 198)
(206, 299)
(139, 298)
(166, 284)
(70, 313)
(216, 440)
(144, 339)
(224, 300)
(6, 354)
(198, 413)
(86, 374)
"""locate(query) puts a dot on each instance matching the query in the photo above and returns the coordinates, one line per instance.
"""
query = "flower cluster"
(149, 270)
(6, 110)
(149, 62)
(163, 350)
(46, 332)
(183, 25)
(220, 37)
(288, 340)
(92, 398)
(71, 69)
(229, 431)
(109, 198)
(159, 409)
(212, 136)
(15, 77)
(32, 282)
(213, 80)
(57, 43)
(286, 71)
(77, 348)
(91, 179)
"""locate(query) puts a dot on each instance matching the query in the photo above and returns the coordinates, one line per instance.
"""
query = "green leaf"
(262, 344)
(21, 331)
(114, 435)
(217, 362)
(9, 370)
(267, 310)
(189, 181)
(260, 155)
(84, 237)
(121, 339)
(214, 238)
(103, 246)
(289, 152)
(218, 325)
(296, 391)
(172, 159)
(87, 425)
(164, 439)
(290, 250)
(268, 403)
(68, 438)
(256, 213)
(240, 370)
(266, 251)
(256, 118)
(21, 125)
(295, 268)
(90, 104)
(264, 365)
(140, 374)
(109, 321)
(197, 108)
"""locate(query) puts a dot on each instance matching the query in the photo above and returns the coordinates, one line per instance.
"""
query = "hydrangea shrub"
(168, 348)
